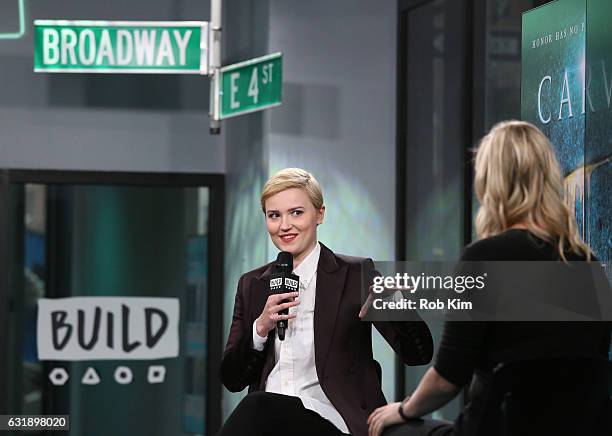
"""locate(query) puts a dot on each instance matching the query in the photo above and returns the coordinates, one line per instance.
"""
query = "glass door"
(109, 301)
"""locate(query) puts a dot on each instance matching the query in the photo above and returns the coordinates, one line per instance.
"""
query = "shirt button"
(364, 405)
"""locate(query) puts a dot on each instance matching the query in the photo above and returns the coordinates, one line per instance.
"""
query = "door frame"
(405, 7)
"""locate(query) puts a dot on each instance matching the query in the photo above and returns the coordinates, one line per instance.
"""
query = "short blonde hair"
(518, 180)
(293, 178)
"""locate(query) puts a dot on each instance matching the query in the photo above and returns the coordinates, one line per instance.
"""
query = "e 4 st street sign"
(250, 86)
(153, 47)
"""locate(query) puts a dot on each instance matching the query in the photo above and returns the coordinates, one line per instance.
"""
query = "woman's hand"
(270, 313)
(383, 417)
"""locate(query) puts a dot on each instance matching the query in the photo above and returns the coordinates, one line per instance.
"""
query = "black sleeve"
(460, 350)
(462, 343)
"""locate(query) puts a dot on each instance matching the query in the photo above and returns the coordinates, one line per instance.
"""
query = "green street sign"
(250, 86)
(150, 47)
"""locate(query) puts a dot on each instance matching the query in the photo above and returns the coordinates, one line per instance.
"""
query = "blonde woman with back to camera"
(522, 217)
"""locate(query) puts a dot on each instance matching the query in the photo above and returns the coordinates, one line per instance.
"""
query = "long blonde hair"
(518, 181)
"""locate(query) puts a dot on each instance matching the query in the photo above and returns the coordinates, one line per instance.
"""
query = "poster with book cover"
(566, 90)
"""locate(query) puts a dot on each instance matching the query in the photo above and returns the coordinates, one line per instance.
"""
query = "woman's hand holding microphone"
(270, 314)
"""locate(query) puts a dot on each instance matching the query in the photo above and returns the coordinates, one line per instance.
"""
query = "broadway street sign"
(251, 86)
(155, 47)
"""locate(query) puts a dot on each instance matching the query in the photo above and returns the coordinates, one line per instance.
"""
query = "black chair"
(560, 396)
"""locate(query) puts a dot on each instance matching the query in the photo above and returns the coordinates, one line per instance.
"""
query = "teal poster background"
(553, 44)
(598, 131)
(566, 87)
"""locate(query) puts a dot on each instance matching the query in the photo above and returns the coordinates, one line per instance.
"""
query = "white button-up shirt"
(295, 372)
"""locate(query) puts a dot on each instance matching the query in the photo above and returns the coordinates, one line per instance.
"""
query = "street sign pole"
(215, 65)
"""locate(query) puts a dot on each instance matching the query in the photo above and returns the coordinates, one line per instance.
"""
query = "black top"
(469, 346)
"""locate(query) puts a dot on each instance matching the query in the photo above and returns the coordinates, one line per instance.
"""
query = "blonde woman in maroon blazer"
(322, 379)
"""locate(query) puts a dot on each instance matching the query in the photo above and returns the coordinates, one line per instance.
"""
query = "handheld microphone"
(283, 281)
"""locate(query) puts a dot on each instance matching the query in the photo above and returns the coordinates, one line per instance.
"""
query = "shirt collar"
(307, 269)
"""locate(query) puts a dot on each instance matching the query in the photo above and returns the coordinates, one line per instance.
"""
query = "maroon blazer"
(343, 343)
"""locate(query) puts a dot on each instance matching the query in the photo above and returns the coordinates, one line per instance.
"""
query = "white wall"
(338, 121)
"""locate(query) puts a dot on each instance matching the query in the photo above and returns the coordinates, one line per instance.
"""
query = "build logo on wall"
(105, 328)
(566, 90)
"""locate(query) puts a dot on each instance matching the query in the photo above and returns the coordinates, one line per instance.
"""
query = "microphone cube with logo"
(282, 282)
